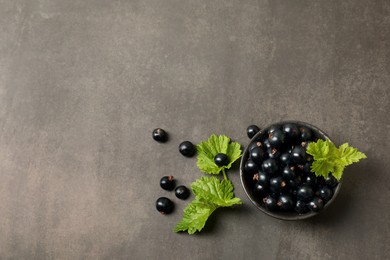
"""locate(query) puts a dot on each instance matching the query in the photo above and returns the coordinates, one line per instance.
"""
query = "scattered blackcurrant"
(182, 192)
(164, 205)
(167, 183)
(187, 149)
(160, 135)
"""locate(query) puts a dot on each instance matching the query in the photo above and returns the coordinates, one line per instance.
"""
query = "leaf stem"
(224, 174)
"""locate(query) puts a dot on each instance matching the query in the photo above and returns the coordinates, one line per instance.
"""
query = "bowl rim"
(278, 215)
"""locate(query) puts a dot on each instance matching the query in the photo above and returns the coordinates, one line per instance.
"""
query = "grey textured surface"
(83, 83)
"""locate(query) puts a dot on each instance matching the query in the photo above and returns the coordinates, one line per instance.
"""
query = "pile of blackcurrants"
(163, 204)
(278, 173)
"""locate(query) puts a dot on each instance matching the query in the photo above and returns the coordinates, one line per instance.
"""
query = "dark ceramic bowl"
(248, 183)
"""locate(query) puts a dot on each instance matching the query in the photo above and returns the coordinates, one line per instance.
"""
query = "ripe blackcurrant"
(160, 135)
(164, 205)
(167, 183)
(252, 130)
(221, 159)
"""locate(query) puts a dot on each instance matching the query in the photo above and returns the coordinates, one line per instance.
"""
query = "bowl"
(248, 179)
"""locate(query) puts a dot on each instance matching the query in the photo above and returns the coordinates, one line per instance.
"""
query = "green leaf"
(210, 194)
(322, 167)
(321, 149)
(330, 159)
(215, 191)
(350, 155)
(195, 216)
(207, 150)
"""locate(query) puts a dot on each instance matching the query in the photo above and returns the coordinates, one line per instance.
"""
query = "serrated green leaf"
(338, 171)
(322, 167)
(349, 155)
(207, 150)
(330, 159)
(321, 149)
(212, 190)
(195, 216)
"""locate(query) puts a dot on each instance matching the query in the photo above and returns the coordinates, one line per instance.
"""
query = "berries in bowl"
(292, 170)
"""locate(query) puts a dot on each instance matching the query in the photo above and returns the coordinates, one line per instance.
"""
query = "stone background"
(83, 84)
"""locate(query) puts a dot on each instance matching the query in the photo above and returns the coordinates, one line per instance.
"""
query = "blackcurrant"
(182, 192)
(273, 128)
(285, 158)
(277, 138)
(270, 203)
(298, 155)
(310, 179)
(285, 202)
(288, 172)
(167, 183)
(263, 178)
(254, 145)
(331, 181)
(160, 135)
(252, 130)
(292, 131)
(325, 193)
(276, 184)
(307, 167)
(187, 149)
(257, 154)
(301, 207)
(267, 144)
(273, 153)
(260, 189)
(306, 133)
(164, 205)
(270, 166)
(305, 193)
(250, 166)
(221, 159)
(316, 204)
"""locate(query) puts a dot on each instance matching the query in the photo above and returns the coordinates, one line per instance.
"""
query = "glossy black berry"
(285, 158)
(316, 204)
(254, 145)
(273, 153)
(277, 138)
(325, 193)
(306, 133)
(276, 184)
(273, 128)
(310, 179)
(187, 149)
(160, 135)
(285, 202)
(257, 154)
(270, 166)
(263, 178)
(250, 166)
(305, 193)
(182, 192)
(270, 203)
(167, 183)
(301, 207)
(221, 159)
(252, 130)
(331, 181)
(288, 172)
(298, 155)
(267, 144)
(292, 131)
(307, 167)
(260, 189)
(164, 205)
